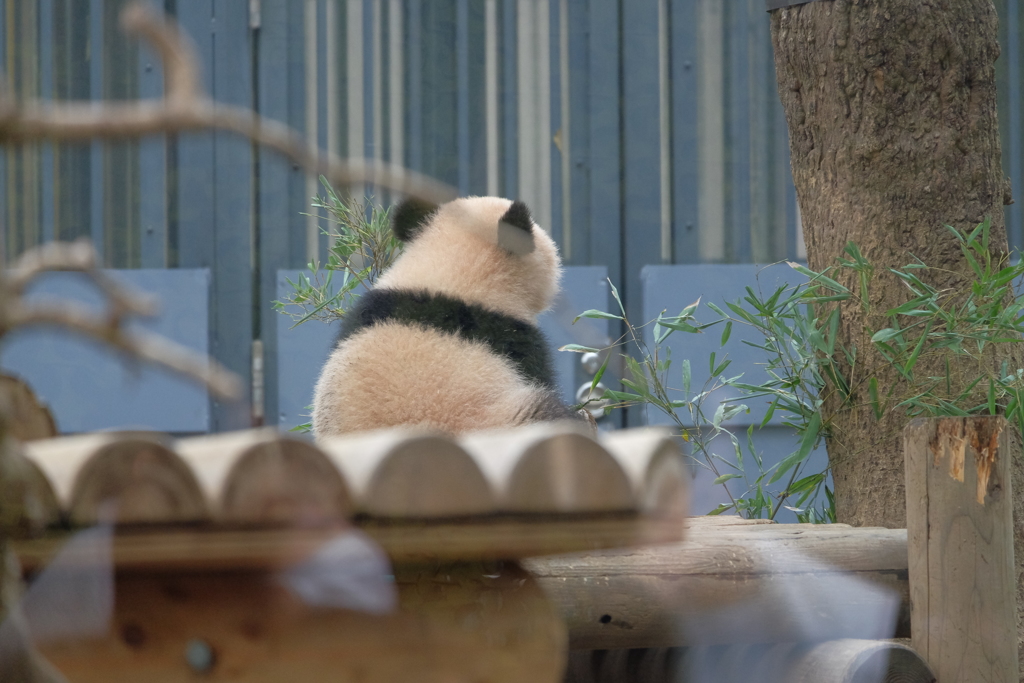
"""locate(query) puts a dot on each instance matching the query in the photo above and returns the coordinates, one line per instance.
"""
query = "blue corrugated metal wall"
(641, 132)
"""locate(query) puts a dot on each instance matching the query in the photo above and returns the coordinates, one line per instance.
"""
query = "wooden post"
(960, 547)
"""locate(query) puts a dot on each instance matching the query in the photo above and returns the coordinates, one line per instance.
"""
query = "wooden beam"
(434, 623)
(960, 542)
(834, 661)
(727, 580)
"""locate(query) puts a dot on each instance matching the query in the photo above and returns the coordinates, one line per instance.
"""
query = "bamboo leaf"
(726, 332)
(600, 315)
(884, 335)
(578, 348)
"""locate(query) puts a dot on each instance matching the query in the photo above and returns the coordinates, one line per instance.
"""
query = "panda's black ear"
(410, 217)
(518, 215)
(515, 230)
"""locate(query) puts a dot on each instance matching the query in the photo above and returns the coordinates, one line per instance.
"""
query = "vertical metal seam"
(664, 121)
(396, 137)
(566, 127)
(97, 225)
(311, 88)
(462, 151)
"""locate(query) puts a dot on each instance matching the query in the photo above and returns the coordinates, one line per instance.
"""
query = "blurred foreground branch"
(109, 327)
(185, 107)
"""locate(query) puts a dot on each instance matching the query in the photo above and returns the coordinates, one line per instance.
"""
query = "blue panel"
(369, 115)
(477, 91)
(292, 112)
(97, 226)
(641, 146)
(302, 350)
(579, 131)
(606, 227)
(605, 152)
(279, 235)
(232, 278)
(46, 45)
(583, 288)
(194, 172)
(684, 39)
(557, 226)
(738, 130)
(509, 109)
(413, 27)
(152, 169)
(672, 288)
(440, 147)
(89, 387)
(462, 93)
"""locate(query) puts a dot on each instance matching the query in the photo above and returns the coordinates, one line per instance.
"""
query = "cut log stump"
(960, 545)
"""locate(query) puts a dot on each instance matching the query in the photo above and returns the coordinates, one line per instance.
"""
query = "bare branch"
(141, 345)
(78, 256)
(185, 108)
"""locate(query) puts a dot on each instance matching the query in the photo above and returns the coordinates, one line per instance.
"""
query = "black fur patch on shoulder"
(521, 343)
(410, 217)
(518, 215)
(548, 407)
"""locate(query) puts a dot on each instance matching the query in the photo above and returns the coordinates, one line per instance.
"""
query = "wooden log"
(27, 418)
(262, 477)
(28, 503)
(726, 582)
(137, 472)
(960, 531)
(455, 622)
(410, 473)
(551, 468)
(654, 464)
(835, 661)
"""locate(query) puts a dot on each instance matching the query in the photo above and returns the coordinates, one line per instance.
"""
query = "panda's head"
(484, 250)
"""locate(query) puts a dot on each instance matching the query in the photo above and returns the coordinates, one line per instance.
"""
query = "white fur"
(394, 374)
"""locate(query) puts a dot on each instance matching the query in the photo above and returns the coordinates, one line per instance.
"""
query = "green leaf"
(615, 293)
(725, 412)
(726, 477)
(717, 310)
(884, 335)
(578, 348)
(686, 376)
(722, 507)
(726, 332)
(873, 392)
(601, 315)
(806, 444)
(623, 396)
(599, 374)
(818, 278)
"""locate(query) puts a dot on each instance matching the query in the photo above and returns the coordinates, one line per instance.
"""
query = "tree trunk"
(891, 106)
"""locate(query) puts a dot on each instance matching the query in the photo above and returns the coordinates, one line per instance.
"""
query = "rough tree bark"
(891, 106)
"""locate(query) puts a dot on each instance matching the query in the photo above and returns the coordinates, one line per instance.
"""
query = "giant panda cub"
(448, 337)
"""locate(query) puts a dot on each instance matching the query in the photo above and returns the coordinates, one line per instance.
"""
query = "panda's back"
(399, 373)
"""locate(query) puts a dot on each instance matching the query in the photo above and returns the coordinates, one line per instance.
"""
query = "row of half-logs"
(833, 661)
(732, 581)
(261, 477)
